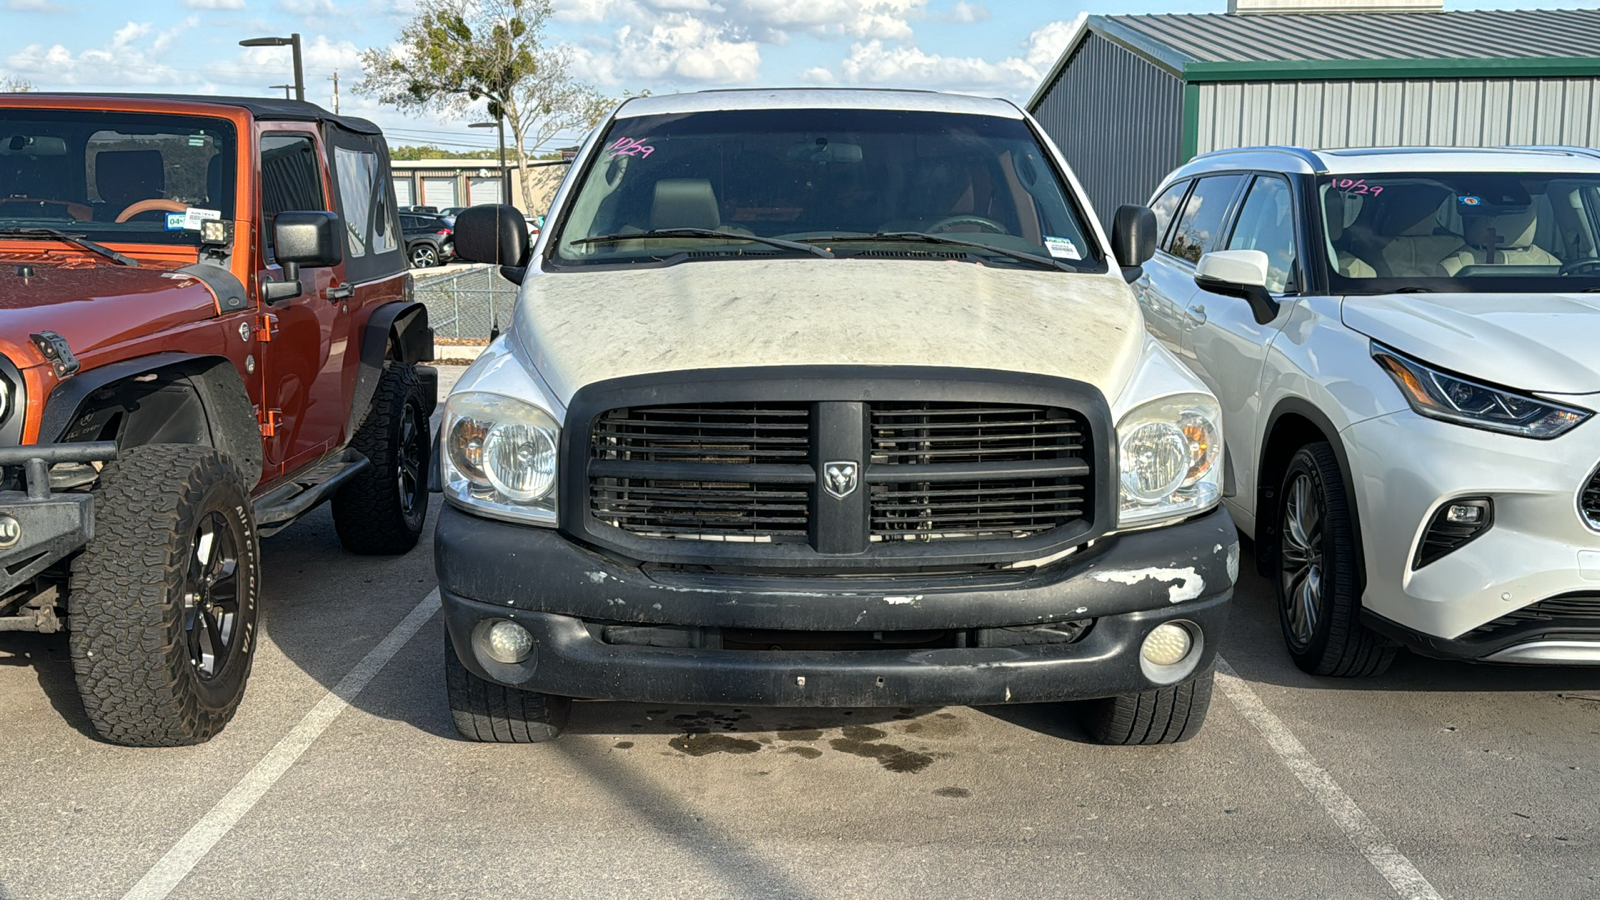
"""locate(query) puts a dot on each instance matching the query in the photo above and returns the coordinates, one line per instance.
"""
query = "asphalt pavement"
(341, 776)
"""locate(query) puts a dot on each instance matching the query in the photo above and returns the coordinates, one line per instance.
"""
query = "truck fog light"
(509, 643)
(1166, 645)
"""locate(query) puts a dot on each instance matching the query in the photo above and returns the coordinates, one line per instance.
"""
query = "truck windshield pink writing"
(630, 147)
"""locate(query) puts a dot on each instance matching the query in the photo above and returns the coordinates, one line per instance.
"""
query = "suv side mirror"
(1133, 239)
(301, 239)
(494, 233)
(1239, 273)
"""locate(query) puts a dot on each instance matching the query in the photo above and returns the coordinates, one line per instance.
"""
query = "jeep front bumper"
(38, 528)
(608, 629)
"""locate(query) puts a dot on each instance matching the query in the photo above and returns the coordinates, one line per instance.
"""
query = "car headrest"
(685, 203)
(1333, 213)
(1517, 229)
(214, 180)
(123, 176)
(1411, 209)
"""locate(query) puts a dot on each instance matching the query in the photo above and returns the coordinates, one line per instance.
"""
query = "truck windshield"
(854, 180)
(1469, 232)
(115, 176)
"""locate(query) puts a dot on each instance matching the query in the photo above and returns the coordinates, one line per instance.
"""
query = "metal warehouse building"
(1134, 96)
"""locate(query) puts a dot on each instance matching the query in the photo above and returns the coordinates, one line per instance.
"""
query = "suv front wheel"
(163, 601)
(1319, 603)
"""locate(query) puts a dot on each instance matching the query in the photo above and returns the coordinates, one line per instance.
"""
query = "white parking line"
(192, 847)
(1384, 856)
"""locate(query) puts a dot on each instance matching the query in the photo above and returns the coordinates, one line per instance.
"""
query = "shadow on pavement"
(49, 658)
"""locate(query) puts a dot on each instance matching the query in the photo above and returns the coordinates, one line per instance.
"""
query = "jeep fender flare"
(217, 411)
(1274, 461)
(396, 331)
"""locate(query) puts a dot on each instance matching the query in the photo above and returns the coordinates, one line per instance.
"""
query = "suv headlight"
(1450, 398)
(499, 456)
(1170, 453)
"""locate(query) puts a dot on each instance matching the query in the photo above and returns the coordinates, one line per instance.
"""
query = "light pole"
(293, 41)
(286, 89)
(505, 176)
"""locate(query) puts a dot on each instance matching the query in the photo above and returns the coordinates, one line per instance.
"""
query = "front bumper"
(1406, 467)
(38, 528)
(569, 599)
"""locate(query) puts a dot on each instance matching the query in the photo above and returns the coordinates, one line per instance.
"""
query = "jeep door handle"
(1196, 315)
(342, 292)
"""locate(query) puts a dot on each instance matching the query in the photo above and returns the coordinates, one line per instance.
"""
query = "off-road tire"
(485, 711)
(128, 637)
(1165, 715)
(371, 512)
(1339, 645)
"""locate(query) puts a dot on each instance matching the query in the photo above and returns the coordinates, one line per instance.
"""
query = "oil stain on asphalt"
(706, 732)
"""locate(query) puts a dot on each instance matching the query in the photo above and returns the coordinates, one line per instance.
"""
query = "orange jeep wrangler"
(206, 330)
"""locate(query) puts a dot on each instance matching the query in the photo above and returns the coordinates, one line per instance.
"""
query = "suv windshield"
(862, 178)
(115, 176)
(1482, 231)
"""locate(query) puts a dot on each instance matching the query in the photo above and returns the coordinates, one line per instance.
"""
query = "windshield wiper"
(705, 233)
(926, 238)
(77, 239)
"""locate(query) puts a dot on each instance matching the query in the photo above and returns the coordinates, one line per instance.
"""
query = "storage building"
(1134, 96)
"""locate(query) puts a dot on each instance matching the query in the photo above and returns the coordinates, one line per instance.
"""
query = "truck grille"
(926, 471)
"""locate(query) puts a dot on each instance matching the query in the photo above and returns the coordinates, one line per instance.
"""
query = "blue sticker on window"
(1471, 201)
(175, 221)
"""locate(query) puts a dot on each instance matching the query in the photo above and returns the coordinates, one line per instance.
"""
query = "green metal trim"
(1364, 69)
(1189, 142)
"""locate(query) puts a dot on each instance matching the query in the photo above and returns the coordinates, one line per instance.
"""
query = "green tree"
(11, 84)
(455, 53)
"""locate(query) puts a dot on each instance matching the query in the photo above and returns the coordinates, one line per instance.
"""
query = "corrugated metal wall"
(1117, 119)
(1480, 112)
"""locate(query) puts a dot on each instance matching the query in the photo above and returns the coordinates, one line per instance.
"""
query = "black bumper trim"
(1461, 650)
(569, 661)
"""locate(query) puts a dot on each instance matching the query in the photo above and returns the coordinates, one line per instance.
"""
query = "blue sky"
(995, 47)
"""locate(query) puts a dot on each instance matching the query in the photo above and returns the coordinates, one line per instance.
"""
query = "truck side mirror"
(494, 233)
(301, 239)
(1242, 274)
(1133, 239)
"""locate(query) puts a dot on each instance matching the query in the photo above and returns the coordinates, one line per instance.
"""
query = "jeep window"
(817, 175)
(291, 180)
(1199, 226)
(1463, 232)
(364, 202)
(1266, 223)
(115, 176)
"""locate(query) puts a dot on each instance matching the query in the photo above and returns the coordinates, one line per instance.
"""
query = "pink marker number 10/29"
(630, 147)
(1355, 186)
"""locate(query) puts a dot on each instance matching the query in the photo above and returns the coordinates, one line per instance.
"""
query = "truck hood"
(93, 306)
(583, 327)
(1533, 342)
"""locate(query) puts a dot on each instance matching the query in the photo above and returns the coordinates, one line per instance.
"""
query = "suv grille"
(926, 471)
(1589, 500)
(1570, 610)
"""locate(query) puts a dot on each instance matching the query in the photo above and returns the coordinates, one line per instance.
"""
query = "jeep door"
(302, 365)
(1228, 347)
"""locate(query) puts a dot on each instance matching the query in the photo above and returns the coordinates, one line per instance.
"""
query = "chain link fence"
(467, 304)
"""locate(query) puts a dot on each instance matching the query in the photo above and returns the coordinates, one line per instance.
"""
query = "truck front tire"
(485, 711)
(1165, 715)
(163, 602)
(382, 510)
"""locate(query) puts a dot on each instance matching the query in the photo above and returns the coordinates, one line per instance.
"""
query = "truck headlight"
(1170, 454)
(1451, 398)
(499, 456)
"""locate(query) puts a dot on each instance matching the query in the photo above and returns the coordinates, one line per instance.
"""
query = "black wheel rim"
(1302, 567)
(211, 595)
(413, 457)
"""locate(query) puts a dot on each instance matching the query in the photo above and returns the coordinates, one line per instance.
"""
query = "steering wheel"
(984, 225)
(1579, 265)
(143, 206)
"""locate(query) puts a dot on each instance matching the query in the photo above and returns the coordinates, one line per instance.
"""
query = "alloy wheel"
(424, 257)
(1302, 563)
(211, 596)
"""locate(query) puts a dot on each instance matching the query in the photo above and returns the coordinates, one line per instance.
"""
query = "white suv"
(1404, 344)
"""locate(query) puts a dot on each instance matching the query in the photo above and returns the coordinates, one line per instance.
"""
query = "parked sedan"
(430, 241)
(1403, 344)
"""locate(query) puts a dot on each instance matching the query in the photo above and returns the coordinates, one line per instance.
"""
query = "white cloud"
(34, 6)
(880, 64)
(677, 46)
(1045, 44)
(214, 4)
(964, 13)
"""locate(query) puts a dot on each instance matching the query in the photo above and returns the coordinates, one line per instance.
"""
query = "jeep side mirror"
(1133, 239)
(494, 233)
(1239, 273)
(301, 239)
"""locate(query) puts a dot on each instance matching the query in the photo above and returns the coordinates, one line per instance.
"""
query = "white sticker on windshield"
(1062, 248)
(194, 215)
